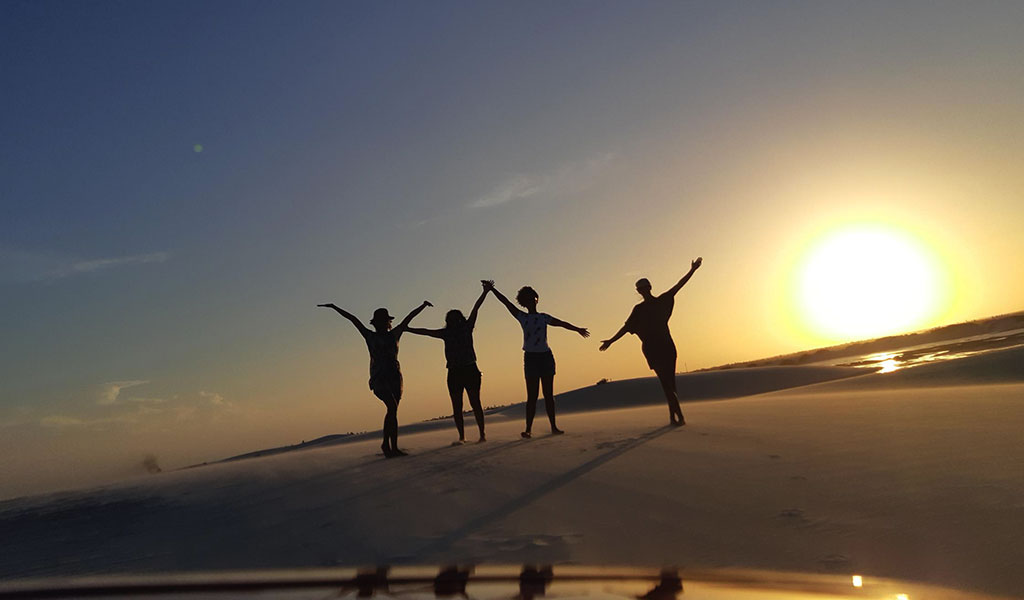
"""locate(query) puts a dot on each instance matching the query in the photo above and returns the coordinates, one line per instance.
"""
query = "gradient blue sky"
(158, 299)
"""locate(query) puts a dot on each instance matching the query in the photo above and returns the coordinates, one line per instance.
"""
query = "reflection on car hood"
(530, 582)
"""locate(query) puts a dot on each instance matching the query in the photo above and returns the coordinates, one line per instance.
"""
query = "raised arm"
(566, 325)
(605, 344)
(693, 267)
(412, 315)
(476, 307)
(434, 333)
(355, 320)
(508, 303)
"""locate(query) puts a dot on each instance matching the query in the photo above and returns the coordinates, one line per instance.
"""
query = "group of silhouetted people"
(648, 321)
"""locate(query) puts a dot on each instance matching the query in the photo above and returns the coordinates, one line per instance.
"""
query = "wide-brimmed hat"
(381, 316)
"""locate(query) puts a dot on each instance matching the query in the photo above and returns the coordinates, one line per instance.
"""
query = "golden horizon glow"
(866, 280)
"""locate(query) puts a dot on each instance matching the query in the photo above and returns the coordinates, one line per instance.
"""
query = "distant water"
(912, 356)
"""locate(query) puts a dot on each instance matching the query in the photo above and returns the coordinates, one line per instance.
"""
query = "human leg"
(455, 387)
(548, 383)
(389, 431)
(473, 391)
(532, 389)
(666, 373)
(390, 393)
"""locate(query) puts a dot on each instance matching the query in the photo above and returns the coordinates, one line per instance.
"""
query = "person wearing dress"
(385, 370)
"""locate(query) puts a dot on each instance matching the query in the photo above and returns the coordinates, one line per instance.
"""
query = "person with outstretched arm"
(649, 322)
(385, 371)
(463, 374)
(538, 361)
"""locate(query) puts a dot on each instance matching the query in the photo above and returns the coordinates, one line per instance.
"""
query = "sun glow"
(868, 280)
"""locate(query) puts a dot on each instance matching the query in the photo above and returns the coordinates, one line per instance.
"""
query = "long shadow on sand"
(445, 542)
(643, 391)
(429, 470)
(132, 530)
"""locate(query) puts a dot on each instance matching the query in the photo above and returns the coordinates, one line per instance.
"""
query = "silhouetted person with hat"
(538, 360)
(460, 357)
(649, 322)
(385, 371)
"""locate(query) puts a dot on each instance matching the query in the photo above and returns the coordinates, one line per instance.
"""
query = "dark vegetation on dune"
(1008, 322)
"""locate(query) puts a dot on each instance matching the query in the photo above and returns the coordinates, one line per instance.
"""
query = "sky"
(181, 183)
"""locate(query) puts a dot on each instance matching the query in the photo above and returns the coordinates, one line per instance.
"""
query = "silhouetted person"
(385, 372)
(649, 322)
(463, 373)
(538, 361)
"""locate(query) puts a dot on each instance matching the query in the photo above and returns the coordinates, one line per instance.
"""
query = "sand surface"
(904, 481)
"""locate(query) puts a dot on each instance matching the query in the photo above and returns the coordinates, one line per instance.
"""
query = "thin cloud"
(111, 390)
(137, 412)
(64, 421)
(571, 178)
(100, 264)
(21, 267)
(145, 400)
(212, 397)
(516, 188)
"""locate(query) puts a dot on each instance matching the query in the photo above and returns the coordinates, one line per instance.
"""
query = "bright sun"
(863, 281)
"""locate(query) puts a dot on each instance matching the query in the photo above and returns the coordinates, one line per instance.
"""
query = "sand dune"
(996, 367)
(913, 483)
(642, 391)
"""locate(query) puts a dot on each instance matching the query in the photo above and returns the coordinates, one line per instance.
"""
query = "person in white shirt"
(538, 361)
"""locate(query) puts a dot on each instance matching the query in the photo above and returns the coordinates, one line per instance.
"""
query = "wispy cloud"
(570, 178)
(20, 266)
(115, 407)
(111, 391)
(63, 421)
(515, 188)
(99, 264)
(145, 400)
(213, 398)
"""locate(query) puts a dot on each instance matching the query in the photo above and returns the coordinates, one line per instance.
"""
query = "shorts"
(539, 364)
(463, 377)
